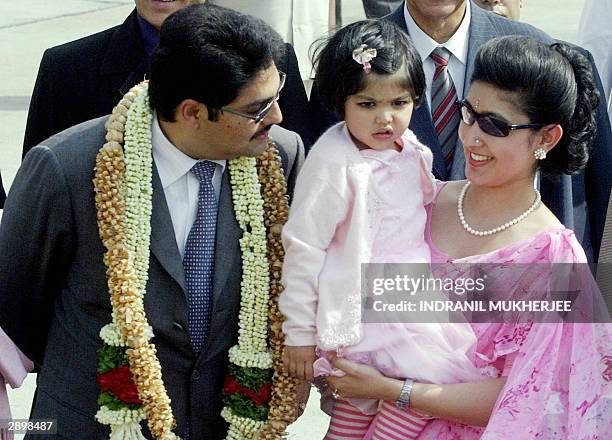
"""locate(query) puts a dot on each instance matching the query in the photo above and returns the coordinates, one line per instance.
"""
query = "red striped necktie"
(445, 114)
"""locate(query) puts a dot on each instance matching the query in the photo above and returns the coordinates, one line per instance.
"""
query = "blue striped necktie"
(444, 112)
(199, 258)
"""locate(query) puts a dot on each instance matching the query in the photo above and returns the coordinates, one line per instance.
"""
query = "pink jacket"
(332, 222)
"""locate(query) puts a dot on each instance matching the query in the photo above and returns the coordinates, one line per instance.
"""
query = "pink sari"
(559, 374)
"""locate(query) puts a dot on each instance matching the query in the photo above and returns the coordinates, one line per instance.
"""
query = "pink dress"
(559, 375)
(428, 352)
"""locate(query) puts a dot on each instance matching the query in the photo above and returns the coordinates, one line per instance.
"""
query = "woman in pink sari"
(530, 107)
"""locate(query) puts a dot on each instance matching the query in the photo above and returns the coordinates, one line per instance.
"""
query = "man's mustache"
(262, 131)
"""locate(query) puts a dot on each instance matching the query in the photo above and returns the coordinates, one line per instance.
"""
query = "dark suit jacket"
(54, 296)
(84, 79)
(580, 201)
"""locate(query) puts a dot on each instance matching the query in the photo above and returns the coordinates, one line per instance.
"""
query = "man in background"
(85, 78)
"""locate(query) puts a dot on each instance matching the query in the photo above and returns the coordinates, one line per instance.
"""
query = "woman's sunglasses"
(489, 124)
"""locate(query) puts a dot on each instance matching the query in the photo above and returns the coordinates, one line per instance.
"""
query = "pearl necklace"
(515, 220)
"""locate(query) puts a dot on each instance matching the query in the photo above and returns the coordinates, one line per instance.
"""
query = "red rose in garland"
(128, 393)
(264, 395)
(231, 386)
(120, 382)
(261, 397)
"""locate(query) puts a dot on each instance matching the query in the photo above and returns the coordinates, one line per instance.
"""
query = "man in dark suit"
(83, 79)
(580, 201)
(214, 86)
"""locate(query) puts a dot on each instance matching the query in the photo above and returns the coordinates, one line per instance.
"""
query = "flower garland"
(250, 359)
(124, 203)
(253, 408)
(129, 372)
(283, 405)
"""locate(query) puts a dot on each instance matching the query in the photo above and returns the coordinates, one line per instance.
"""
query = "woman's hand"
(362, 382)
(469, 403)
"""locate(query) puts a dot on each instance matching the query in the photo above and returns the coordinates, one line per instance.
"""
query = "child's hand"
(298, 361)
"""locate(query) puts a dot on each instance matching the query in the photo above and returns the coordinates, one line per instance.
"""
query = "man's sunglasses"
(489, 124)
(264, 109)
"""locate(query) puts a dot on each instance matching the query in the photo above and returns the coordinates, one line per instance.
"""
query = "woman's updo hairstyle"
(338, 75)
(553, 84)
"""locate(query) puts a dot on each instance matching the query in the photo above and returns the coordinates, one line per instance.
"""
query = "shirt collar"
(457, 44)
(150, 37)
(171, 163)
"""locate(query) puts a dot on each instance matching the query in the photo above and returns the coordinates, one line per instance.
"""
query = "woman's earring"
(540, 153)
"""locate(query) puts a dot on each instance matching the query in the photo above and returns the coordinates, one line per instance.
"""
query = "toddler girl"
(360, 198)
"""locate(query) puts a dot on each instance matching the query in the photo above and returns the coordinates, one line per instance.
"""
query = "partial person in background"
(457, 29)
(85, 78)
(595, 34)
(299, 23)
(506, 8)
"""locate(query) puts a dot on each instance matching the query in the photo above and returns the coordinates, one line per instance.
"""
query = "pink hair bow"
(363, 55)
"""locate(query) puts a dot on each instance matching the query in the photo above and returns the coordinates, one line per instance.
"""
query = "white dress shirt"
(457, 45)
(180, 185)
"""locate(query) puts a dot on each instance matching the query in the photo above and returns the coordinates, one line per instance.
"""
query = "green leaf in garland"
(110, 357)
(242, 406)
(251, 377)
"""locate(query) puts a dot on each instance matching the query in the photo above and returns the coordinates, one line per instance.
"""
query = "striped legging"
(390, 423)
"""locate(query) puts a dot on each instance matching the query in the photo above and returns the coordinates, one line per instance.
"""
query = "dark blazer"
(54, 296)
(579, 201)
(84, 79)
